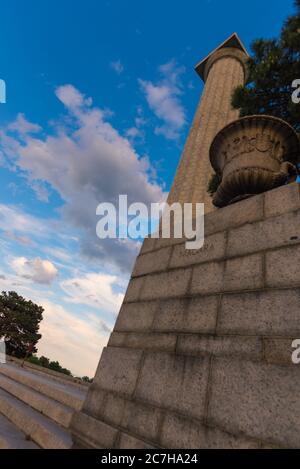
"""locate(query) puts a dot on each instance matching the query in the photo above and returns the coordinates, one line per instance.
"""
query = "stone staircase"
(36, 408)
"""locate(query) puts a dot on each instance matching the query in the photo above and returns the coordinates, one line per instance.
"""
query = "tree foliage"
(19, 323)
(273, 66)
(47, 363)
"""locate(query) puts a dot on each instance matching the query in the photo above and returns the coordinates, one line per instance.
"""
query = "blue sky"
(100, 97)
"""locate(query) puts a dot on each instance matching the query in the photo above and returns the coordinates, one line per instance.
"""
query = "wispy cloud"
(96, 290)
(163, 98)
(117, 66)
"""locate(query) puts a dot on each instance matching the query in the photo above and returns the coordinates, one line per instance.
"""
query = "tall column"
(222, 71)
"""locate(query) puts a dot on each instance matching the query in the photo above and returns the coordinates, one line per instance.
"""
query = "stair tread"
(23, 416)
(13, 438)
(79, 393)
(44, 404)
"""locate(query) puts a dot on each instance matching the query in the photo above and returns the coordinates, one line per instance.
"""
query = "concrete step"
(56, 411)
(36, 426)
(61, 392)
(51, 374)
(12, 438)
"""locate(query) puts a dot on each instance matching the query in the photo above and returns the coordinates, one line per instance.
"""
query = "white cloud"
(96, 290)
(75, 342)
(71, 97)
(133, 132)
(117, 66)
(163, 99)
(38, 270)
(23, 126)
(87, 162)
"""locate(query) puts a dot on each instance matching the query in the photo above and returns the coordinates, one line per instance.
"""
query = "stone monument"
(200, 355)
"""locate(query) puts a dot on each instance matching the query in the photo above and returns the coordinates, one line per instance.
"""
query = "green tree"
(19, 323)
(86, 379)
(273, 66)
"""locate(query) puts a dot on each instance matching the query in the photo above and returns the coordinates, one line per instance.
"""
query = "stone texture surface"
(142, 420)
(213, 248)
(245, 273)
(187, 315)
(136, 316)
(188, 375)
(278, 351)
(268, 313)
(152, 262)
(283, 267)
(144, 341)
(246, 211)
(256, 399)
(118, 369)
(173, 283)
(134, 289)
(129, 442)
(244, 347)
(208, 278)
(267, 234)
(178, 432)
(282, 200)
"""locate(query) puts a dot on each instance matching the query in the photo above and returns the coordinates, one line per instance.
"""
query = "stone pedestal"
(200, 356)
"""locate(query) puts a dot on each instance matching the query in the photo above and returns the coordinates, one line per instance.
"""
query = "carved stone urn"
(252, 155)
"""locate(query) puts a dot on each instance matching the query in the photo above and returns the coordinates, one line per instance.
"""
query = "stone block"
(282, 200)
(269, 313)
(154, 261)
(144, 341)
(256, 399)
(279, 351)
(148, 245)
(168, 284)
(283, 267)
(213, 248)
(178, 432)
(118, 369)
(134, 289)
(246, 211)
(136, 316)
(243, 347)
(129, 442)
(154, 341)
(142, 420)
(187, 315)
(271, 233)
(208, 278)
(174, 382)
(117, 339)
(244, 273)
(113, 409)
(95, 433)
(93, 404)
(165, 242)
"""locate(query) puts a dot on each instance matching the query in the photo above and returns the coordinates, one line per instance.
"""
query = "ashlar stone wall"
(200, 356)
